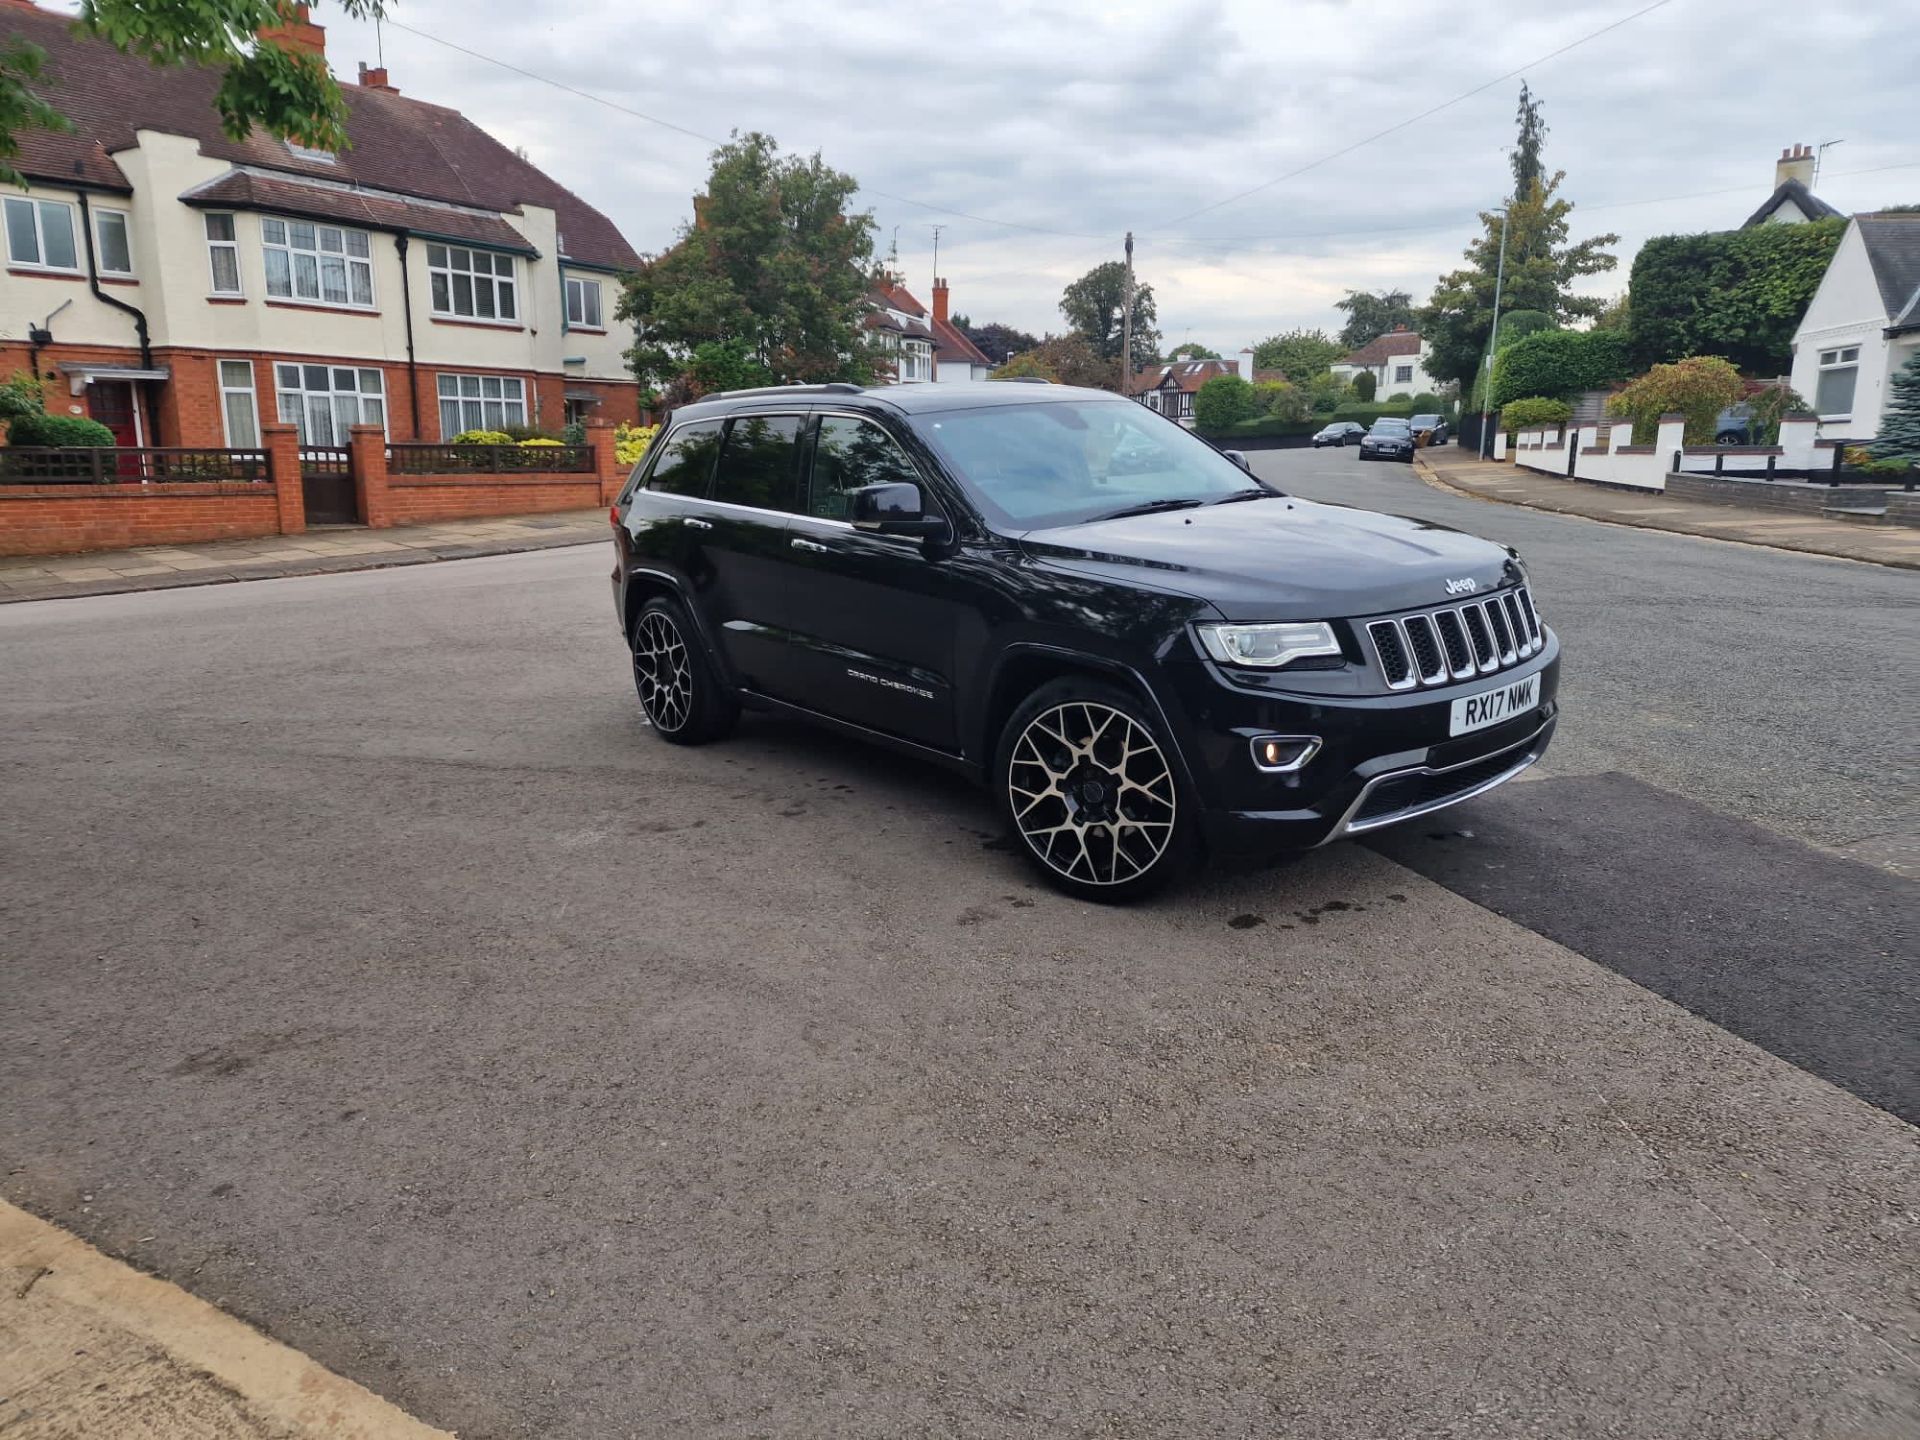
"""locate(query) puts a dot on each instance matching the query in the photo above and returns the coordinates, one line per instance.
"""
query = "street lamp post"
(1493, 340)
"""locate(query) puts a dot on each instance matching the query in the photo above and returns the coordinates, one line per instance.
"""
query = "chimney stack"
(940, 301)
(1795, 163)
(374, 77)
(296, 32)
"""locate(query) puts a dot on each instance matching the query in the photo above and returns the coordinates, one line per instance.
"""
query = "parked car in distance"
(1341, 432)
(1734, 426)
(1146, 664)
(1428, 430)
(1389, 439)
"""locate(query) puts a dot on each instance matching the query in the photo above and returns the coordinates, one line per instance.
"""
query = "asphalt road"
(369, 969)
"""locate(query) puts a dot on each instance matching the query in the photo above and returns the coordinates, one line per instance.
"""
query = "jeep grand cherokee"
(1146, 662)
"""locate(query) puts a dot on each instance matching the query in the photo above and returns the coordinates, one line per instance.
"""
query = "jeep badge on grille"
(1462, 587)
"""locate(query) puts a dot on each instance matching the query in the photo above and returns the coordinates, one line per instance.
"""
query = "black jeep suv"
(1146, 661)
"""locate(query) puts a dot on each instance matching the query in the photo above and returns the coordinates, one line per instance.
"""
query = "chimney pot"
(940, 300)
(1795, 163)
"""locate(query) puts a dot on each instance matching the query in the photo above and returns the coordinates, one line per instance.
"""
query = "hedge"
(1367, 414)
(63, 431)
(1559, 363)
(1534, 410)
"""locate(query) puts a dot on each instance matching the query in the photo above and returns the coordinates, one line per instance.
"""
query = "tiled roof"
(884, 296)
(1893, 249)
(1183, 375)
(398, 144)
(1382, 349)
(1810, 204)
(355, 207)
(951, 343)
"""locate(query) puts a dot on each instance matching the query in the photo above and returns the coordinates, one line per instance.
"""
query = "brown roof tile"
(356, 207)
(951, 343)
(1385, 347)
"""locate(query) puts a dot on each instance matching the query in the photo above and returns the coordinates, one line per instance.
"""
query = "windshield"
(1390, 427)
(1425, 422)
(1062, 462)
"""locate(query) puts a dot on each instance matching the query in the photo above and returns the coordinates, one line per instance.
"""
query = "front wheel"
(1086, 782)
(684, 699)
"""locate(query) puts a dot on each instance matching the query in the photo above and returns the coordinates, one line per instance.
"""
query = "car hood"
(1282, 559)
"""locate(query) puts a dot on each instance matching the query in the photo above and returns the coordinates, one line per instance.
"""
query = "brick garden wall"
(53, 519)
(1775, 494)
(422, 499)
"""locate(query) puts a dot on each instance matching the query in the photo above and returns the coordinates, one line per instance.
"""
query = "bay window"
(481, 402)
(472, 284)
(321, 263)
(325, 402)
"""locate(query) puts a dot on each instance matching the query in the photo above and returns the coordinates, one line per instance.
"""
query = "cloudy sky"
(1035, 136)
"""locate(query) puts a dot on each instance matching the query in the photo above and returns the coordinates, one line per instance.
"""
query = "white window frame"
(1833, 360)
(333, 390)
(320, 253)
(471, 390)
(577, 288)
(36, 208)
(253, 402)
(1403, 374)
(101, 215)
(442, 266)
(231, 246)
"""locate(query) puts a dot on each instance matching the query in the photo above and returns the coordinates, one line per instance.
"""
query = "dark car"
(1389, 439)
(1429, 429)
(1734, 426)
(1341, 432)
(1144, 664)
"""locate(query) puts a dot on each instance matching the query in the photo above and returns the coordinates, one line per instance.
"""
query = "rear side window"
(686, 460)
(758, 466)
(848, 455)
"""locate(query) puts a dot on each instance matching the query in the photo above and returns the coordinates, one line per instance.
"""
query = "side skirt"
(754, 700)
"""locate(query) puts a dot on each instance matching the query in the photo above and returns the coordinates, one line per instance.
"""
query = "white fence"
(1604, 453)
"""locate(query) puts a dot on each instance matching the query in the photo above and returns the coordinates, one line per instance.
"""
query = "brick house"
(904, 329)
(184, 288)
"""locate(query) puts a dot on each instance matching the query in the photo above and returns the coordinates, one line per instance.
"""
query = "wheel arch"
(644, 584)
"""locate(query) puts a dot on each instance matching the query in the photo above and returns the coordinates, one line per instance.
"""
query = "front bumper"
(1383, 759)
(1386, 452)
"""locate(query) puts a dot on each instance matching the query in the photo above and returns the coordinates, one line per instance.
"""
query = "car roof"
(890, 399)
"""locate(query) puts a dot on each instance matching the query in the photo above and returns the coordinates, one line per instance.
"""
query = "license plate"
(1490, 707)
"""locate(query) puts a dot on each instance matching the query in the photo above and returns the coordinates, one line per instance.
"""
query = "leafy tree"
(1372, 313)
(1698, 387)
(1530, 140)
(1899, 437)
(1365, 386)
(22, 394)
(725, 365)
(1065, 360)
(1737, 293)
(1093, 305)
(773, 263)
(1300, 355)
(1192, 350)
(1516, 325)
(1558, 363)
(286, 92)
(999, 343)
(1617, 316)
(1770, 405)
(1281, 400)
(1224, 400)
(1325, 393)
(1533, 410)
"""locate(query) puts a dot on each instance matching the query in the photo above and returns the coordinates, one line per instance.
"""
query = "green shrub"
(520, 434)
(65, 431)
(1516, 325)
(1272, 425)
(574, 432)
(1364, 385)
(1558, 363)
(1698, 387)
(482, 437)
(21, 395)
(1224, 400)
(538, 440)
(1281, 400)
(1532, 411)
(1736, 293)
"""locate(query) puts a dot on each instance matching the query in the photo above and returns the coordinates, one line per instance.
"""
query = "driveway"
(370, 970)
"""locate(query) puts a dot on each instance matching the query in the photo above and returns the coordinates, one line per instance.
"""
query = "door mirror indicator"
(894, 508)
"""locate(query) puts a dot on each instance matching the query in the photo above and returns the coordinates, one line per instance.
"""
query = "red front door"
(111, 403)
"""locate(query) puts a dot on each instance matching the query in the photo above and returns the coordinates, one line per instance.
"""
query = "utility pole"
(1126, 325)
(936, 251)
(1493, 340)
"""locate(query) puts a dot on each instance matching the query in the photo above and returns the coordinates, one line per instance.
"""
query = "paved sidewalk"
(89, 1346)
(344, 547)
(1462, 471)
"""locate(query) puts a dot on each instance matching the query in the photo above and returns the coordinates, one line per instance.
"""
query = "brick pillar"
(606, 465)
(368, 444)
(282, 444)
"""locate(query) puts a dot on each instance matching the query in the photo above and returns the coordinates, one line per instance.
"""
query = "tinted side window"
(757, 466)
(686, 460)
(848, 455)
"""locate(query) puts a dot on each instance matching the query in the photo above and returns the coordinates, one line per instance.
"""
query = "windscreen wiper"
(1147, 507)
(1256, 493)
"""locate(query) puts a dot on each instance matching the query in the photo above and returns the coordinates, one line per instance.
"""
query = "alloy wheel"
(1092, 793)
(663, 670)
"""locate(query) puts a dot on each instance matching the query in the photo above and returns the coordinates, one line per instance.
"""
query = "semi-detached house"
(182, 287)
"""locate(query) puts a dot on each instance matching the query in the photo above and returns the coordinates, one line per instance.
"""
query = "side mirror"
(894, 508)
(1238, 459)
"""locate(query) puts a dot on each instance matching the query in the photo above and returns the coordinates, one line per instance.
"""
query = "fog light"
(1283, 754)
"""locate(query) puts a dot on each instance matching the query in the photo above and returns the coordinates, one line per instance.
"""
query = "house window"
(583, 303)
(481, 402)
(112, 242)
(325, 402)
(1833, 394)
(475, 284)
(237, 410)
(223, 255)
(40, 234)
(321, 263)
(1402, 374)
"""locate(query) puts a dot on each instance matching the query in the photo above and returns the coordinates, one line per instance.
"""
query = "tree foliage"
(999, 343)
(1698, 387)
(774, 270)
(1529, 140)
(1899, 437)
(1737, 293)
(1516, 325)
(1365, 386)
(1192, 350)
(1093, 306)
(1281, 400)
(1224, 400)
(1533, 410)
(1300, 355)
(1558, 363)
(1065, 360)
(1372, 313)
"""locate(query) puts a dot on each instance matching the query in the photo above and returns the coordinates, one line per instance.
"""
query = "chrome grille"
(1457, 642)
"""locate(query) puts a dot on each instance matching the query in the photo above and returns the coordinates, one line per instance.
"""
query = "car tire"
(681, 693)
(1086, 783)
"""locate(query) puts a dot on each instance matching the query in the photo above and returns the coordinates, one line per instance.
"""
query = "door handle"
(693, 524)
(818, 549)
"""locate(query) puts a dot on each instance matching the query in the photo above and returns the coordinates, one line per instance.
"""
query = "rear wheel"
(1086, 782)
(683, 697)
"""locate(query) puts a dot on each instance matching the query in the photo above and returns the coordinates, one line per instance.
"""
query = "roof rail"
(832, 387)
(1026, 379)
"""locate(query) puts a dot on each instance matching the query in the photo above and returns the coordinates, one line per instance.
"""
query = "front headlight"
(1268, 647)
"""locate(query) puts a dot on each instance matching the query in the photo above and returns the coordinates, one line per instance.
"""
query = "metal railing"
(418, 459)
(124, 465)
(326, 460)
